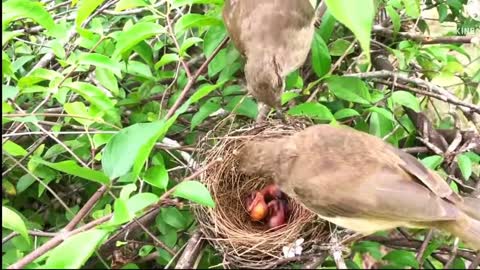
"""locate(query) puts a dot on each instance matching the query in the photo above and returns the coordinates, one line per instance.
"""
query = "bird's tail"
(467, 227)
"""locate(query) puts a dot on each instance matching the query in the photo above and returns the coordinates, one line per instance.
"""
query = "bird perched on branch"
(275, 37)
(359, 182)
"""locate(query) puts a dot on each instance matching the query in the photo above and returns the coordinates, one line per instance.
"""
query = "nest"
(242, 242)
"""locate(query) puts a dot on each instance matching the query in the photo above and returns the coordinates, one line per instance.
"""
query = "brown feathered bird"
(359, 182)
(275, 37)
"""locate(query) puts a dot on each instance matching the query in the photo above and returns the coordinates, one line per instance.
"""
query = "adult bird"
(275, 37)
(359, 182)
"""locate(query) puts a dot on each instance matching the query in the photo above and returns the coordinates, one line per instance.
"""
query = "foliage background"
(103, 102)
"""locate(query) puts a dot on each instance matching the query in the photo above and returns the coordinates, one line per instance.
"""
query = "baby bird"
(275, 37)
(256, 206)
(277, 213)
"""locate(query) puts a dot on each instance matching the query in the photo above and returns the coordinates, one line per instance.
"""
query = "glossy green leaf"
(128, 4)
(131, 146)
(78, 109)
(85, 9)
(406, 99)
(139, 201)
(126, 40)
(412, 8)
(120, 212)
(356, 15)
(70, 167)
(34, 10)
(210, 106)
(83, 245)
(326, 26)
(12, 221)
(107, 79)
(340, 47)
(321, 60)
(349, 89)
(465, 165)
(401, 258)
(195, 20)
(14, 149)
(312, 110)
(345, 113)
(432, 162)
(100, 60)
(173, 217)
(167, 59)
(189, 42)
(157, 176)
(195, 192)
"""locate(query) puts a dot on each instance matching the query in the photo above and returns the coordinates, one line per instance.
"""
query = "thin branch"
(192, 80)
(466, 107)
(427, 39)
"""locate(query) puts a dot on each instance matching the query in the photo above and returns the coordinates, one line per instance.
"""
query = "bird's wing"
(427, 177)
(385, 194)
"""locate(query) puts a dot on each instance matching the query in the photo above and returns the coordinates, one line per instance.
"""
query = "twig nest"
(229, 228)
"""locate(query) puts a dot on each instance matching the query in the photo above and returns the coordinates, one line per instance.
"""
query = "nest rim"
(244, 243)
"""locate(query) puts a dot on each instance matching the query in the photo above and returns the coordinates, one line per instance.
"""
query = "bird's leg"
(263, 110)
(280, 115)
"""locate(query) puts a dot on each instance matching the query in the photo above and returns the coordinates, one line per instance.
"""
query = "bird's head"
(264, 82)
(256, 206)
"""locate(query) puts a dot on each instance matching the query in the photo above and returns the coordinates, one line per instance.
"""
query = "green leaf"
(157, 176)
(412, 8)
(406, 99)
(127, 4)
(356, 15)
(12, 221)
(340, 46)
(247, 107)
(401, 258)
(83, 245)
(100, 60)
(120, 212)
(173, 217)
(78, 109)
(373, 248)
(321, 60)
(126, 191)
(92, 94)
(327, 25)
(385, 113)
(395, 17)
(107, 79)
(130, 147)
(345, 113)
(312, 110)
(141, 200)
(14, 149)
(195, 20)
(202, 91)
(70, 167)
(85, 8)
(465, 165)
(24, 182)
(349, 89)
(126, 40)
(210, 106)
(167, 59)
(189, 42)
(194, 191)
(34, 10)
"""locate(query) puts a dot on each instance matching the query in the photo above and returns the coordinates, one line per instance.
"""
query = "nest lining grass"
(242, 242)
